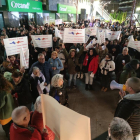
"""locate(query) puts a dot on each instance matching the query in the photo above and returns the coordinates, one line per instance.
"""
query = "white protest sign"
(58, 21)
(100, 35)
(59, 33)
(64, 122)
(13, 45)
(135, 45)
(94, 41)
(112, 35)
(74, 35)
(87, 34)
(42, 41)
(24, 59)
(93, 30)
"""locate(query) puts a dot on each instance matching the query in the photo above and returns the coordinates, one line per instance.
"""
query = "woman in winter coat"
(58, 90)
(37, 119)
(6, 104)
(107, 67)
(56, 63)
(72, 61)
(38, 85)
(90, 66)
(21, 90)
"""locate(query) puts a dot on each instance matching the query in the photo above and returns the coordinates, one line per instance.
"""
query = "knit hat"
(8, 76)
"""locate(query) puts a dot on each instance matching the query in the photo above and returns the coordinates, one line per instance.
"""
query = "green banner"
(66, 9)
(24, 6)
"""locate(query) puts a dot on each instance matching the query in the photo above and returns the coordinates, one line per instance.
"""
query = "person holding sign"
(73, 67)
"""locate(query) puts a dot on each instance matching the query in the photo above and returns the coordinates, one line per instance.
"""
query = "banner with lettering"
(59, 33)
(135, 45)
(14, 45)
(58, 21)
(74, 35)
(112, 35)
(94, 41)
(87, 34)
(24, 59)
(93, 30)
(100, 35)
(42, 41)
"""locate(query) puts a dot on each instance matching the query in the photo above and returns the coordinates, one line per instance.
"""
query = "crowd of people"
(55, 70)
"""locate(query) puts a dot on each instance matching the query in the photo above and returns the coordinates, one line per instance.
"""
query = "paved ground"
(97, 105)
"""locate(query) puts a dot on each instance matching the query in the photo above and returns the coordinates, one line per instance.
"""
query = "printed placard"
(13, 45)
(74, 35)
(42, 41)
(58, 21)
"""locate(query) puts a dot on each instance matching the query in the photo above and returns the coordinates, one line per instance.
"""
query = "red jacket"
(19, 133)
(37, 120)
(93, 65)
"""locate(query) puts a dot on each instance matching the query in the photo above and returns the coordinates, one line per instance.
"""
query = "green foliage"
(120, 16)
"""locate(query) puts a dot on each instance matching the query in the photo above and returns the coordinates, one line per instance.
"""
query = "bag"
(77, 68)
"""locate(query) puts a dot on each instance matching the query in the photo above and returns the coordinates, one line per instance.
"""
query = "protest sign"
(13, 45)
(64, 122)
(93, 30)
(100, 35)
(24, 59)
(87, 34)
(58, 21)
(94, 41)
(59, 33)
(135, 45)
(112, 35)
(42, 41)
(74, 35)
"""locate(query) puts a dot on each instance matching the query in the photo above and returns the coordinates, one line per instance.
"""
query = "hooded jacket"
(128, 71)
(129, 109)
(56, 63)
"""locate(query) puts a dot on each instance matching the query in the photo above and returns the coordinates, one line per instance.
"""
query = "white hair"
(125, 48)
(37, 104)
(120, 130)
(19, 114)
(55, 80)
(35, 68)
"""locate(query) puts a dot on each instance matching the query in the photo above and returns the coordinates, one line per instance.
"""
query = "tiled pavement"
(97, 105)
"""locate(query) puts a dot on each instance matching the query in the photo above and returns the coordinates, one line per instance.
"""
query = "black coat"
(129, 110)
(23, 91)
(63, 98)
(118, 62)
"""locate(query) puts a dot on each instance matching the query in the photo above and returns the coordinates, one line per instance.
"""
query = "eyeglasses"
(41, 58)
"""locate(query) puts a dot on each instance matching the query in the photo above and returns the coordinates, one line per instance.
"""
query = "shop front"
(24, 12)
(67, 13)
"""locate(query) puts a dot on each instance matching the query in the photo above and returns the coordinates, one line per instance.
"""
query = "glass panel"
(1, 21)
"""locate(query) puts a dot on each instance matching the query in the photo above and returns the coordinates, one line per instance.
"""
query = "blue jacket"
(56, 63)
(45, 68)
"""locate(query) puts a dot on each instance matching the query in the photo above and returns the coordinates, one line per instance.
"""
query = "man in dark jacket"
(129, 70)
(121, 60)
(129, 107)
(45, 68)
